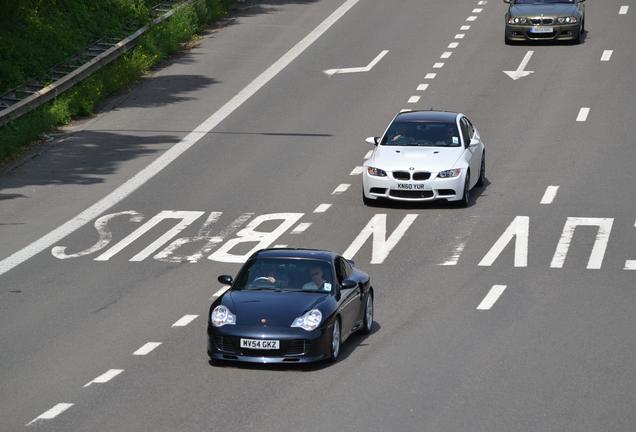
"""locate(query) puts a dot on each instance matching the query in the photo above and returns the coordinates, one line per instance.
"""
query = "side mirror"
(348, 284)
(226, 279)
(474, 142)
(373, 140)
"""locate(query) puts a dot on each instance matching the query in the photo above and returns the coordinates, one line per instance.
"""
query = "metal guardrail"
(35, 93)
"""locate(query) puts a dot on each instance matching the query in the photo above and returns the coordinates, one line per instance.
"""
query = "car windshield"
(543, 1)
(285, 274)
(425, 134)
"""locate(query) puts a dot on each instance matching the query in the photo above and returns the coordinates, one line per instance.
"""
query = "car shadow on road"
(354, 342)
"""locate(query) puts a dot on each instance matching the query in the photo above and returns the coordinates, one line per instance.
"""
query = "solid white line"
(340, 189)
(302, 227)
(146, 348)
(52, 413)
(549, 195)
(477, 10)
(414, 99)
(322, 208)
(105, 377)
(471, 18)
(438, 65)
(446, 54)
(184, 320)
(492, 296)
(459, 36)
(464, 27)
(430, 76)
(422, 87)
(357, 170)
(453, 45)
(583, 113)
(176, 150)
(623, 10)
(607, 55)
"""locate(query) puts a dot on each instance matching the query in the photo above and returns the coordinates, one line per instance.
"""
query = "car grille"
(224, 344)
(411, 194)
(401, 175)
(421, 175)
(542, 21)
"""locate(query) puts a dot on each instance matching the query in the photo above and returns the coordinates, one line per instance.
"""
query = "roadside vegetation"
(38, 34)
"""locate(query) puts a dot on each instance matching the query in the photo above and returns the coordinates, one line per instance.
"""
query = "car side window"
(343, 270)
(465, 132)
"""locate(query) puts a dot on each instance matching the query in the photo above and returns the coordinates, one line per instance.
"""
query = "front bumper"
(296, 345)
(450, 189)
(529, 32)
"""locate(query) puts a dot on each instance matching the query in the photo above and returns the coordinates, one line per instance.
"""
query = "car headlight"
(309, 321)
(221, 316)
(449, 173)
(567, 20)
(517, 20)
(377, 172)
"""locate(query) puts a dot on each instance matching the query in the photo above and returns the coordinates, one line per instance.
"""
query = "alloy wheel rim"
(335, 339)
(369, 312)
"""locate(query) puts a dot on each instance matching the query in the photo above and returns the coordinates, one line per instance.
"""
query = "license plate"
(260, 344)
(411, 186)
(541, 29)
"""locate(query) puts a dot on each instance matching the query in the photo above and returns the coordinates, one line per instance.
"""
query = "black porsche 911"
(289, 306)
(535, 20)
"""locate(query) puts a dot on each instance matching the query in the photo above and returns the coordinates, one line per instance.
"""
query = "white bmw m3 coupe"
(424, 156)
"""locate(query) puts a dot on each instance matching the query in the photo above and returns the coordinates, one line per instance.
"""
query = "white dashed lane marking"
(446, 54)
(438, 65)
(482, 2)
(105, 377)
(302, 227)
(414, 99)
(471, 18)
(280, 246)
(322, 208)
(52, 413)
(422, 87)
(184, 320)
(356, 171)
(623, 10)
(340, 189)
(464, 27)
(607, 55)
(453, 45)
(459, 36)
(368, 155)
(477, 10)
(549, 195)
(430, 76)
(146, 348)
(492, 297)
(583, 113)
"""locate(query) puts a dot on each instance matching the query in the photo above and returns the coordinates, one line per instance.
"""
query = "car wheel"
(482, 171)
(579, 36)
(335, 341)
(465, 201)
(507, 41)
(367, 321)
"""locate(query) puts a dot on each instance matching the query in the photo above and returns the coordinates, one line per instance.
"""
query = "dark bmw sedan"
(289, 306)
(537, 20)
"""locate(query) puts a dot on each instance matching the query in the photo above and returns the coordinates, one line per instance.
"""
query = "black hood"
(278, 308)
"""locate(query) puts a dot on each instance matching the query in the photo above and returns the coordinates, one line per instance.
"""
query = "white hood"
(431, 159)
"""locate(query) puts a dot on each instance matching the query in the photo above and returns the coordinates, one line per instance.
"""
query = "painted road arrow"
(521, 72)
(367, 68)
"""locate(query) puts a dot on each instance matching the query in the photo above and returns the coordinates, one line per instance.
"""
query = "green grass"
(162, 41)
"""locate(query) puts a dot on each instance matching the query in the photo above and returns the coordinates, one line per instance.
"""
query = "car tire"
(367, 319)
(507, 41)
(215, 363)
(335, 341)
(465, 201)
(579, 36)
(482, 171)
(368, 201)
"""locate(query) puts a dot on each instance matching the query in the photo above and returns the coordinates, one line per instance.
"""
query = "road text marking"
(492, 296)
(600, 243)
(549, 195)
(519, 230)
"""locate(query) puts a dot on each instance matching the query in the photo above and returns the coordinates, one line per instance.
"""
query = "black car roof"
(295, 253)
(423, 116)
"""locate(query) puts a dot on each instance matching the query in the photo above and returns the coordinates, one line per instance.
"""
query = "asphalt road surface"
(515, 314)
